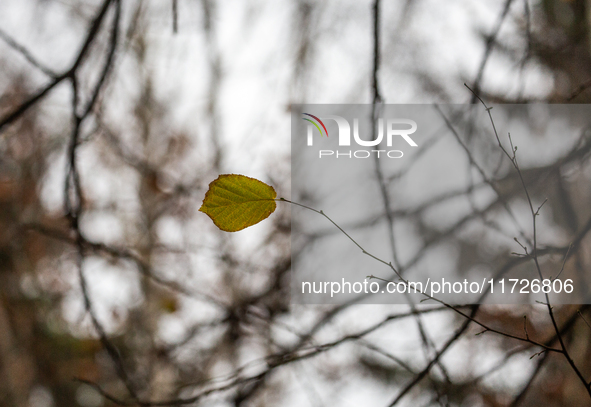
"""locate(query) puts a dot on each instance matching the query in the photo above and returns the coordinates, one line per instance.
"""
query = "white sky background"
(256, 41)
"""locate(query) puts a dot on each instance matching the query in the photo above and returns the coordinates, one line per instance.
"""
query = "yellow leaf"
(235, 202)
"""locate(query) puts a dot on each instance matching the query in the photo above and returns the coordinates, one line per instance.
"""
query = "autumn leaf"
(235, 202)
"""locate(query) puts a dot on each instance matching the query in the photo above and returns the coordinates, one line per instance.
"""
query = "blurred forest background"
(116, 114)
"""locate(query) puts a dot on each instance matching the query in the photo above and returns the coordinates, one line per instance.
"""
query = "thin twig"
(513, 158)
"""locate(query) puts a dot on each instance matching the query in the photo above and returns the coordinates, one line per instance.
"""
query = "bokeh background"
(116, 114)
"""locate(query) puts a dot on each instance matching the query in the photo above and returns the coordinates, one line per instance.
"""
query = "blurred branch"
(73, 200)
(457, 335)
(490, 42)
(123, 253)
(427, 342)
(274, 361)
(376, 97)
(175, 16)
(27, 54)
(539, 364)
(580, 89)
(68, 74)
(480, 170)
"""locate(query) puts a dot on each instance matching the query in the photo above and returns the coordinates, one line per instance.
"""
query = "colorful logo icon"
(315, 124)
